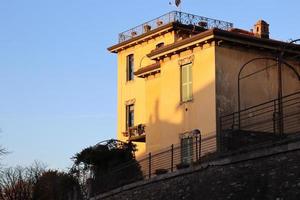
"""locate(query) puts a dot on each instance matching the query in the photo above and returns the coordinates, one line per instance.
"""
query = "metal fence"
(189, 152)
(266, 118)
(174, 16)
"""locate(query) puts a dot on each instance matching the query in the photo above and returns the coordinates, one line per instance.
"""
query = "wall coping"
(284, 146)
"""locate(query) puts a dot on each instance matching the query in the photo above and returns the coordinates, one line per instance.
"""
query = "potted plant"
(147, 28)
(182, 165)
(159, 22)
(202, 24)
(133, 33)
(125, 134)
(161, 171)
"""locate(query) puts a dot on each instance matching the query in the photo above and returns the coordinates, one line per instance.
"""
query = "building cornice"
(221, 35)
(152, 34)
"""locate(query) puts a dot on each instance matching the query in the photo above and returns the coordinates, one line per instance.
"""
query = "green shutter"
(186, 82)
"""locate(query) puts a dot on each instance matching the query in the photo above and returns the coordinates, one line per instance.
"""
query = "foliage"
(56, 185)
(17, 183)
(106, 165)
(105, 156)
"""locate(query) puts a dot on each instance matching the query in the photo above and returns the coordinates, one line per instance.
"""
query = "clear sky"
(58, 81)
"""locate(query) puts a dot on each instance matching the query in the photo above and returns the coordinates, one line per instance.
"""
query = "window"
(186, 82)
(130, 67)
(160, 45)
(187, 149)
(129, 116)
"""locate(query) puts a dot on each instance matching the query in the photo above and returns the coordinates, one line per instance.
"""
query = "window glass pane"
(187, 150)
(130, 116)
(130, 67)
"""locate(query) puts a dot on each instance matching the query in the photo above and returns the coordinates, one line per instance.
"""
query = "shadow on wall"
(169, 119)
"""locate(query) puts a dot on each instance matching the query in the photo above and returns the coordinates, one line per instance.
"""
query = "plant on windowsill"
(125, 134)
(161, 171)
(182, 165)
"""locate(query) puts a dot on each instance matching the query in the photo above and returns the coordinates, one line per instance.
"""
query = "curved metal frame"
(278, 60)
(286, 45)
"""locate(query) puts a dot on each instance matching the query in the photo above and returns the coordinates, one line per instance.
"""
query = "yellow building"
(178, 73)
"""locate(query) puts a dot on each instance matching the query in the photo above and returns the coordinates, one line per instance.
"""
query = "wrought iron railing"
(174, 16)
(265, 117)
(170, 159)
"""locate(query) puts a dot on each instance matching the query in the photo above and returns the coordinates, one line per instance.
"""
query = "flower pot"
(161, 171)
(147, 28)
(182, 165)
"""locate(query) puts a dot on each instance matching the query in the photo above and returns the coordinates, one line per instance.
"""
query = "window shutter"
(186, 82)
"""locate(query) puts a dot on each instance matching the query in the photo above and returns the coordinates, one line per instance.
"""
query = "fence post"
(172, 157)
(233, 121)
(200, 141)
(149, 167)
(274, 117)
(197, 155)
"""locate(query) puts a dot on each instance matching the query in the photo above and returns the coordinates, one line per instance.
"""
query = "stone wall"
(269, 173)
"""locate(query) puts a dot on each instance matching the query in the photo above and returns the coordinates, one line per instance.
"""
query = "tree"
(57, 185)
(106, 165)
(17, 183)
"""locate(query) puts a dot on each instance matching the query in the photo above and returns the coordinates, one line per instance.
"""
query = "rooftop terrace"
(174, 16)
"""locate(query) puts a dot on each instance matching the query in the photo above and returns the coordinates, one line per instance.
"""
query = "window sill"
(186, 101)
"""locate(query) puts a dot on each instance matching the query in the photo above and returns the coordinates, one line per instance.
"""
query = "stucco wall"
(157, 97)
(135, 89)
(167, 116)
(255, 89)
(269, 173)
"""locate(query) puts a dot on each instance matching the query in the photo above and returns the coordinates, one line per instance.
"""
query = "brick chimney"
(261, 29)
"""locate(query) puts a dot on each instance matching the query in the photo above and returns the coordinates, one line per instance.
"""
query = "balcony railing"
(265, 117)
(136, 133)
(174, 16)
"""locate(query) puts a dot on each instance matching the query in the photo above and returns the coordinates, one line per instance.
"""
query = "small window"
(130, 67)
(129, 116)
(186, 82)
(187, 149)
(160, 45)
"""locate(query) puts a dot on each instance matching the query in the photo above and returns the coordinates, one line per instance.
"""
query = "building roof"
(236, 37)
(171, 20)
(148, 70)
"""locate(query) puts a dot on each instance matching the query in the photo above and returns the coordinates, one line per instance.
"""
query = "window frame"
(188, 83)
(187, 149)
(129, 118)
(159, 45)
(130, 67)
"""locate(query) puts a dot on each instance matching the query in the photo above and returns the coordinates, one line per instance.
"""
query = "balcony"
(136, 133)
(174, 16)
(144, 72)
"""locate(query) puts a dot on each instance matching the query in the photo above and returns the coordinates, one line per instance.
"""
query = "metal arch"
(145, 56)
(260, 58)
(239, 74)
(286, 45)
(110, 141)
(292, 68)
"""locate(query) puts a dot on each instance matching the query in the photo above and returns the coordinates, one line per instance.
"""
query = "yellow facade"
(216, 59)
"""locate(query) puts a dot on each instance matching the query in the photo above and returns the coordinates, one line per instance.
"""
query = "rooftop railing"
(174, 16)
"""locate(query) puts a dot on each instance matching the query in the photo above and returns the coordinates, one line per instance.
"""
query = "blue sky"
(58, 81)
